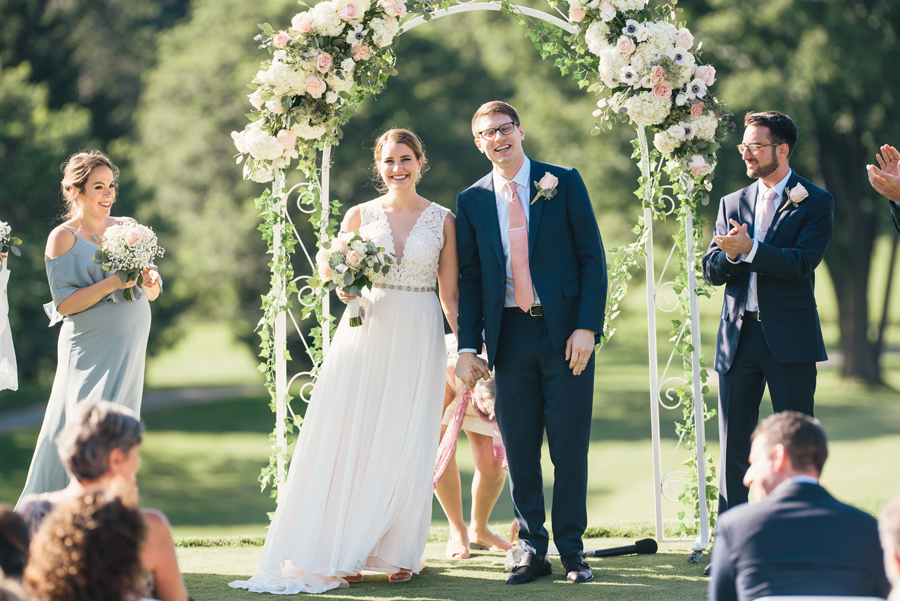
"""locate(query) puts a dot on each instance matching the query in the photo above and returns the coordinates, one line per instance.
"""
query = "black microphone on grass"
(645, 546)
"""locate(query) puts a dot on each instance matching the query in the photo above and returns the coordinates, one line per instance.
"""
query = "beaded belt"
(407, 288)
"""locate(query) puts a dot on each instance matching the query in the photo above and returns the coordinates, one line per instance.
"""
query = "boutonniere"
(546, 187)
(795, 196)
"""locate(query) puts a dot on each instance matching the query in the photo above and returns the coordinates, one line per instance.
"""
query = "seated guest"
(797, 539)
(886, 180)
(88, 550)
(889, 526)
(14, 540)
(99, 448)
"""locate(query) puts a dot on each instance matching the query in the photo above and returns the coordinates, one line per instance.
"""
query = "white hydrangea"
(647, 109)
(340, 81)
(611, 63)
(348, 65)
(578, 4)
(262, 172)
(283, 79)
(705, 126)
(629, 5)
(325, 19)
(384, 30)
(682, 74)
(660, 38)
(596, 37)
(307, 131)
(665, 143)
(331, 97)
(261, 144)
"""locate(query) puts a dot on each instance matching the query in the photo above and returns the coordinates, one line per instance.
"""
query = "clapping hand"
(886, 180)
(736, 242)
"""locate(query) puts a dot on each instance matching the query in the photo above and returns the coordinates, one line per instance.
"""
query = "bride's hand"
(345, 298)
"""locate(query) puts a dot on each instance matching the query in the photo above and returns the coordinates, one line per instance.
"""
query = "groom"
(532, 289)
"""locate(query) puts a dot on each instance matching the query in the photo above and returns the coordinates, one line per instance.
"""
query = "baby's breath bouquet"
(349, 263)
(8, 242)
(126, 250)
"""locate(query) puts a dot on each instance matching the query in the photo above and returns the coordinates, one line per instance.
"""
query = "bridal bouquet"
(349, 263)
(8, 242)
(127, 250)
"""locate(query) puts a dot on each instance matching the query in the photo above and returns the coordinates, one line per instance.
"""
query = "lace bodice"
(418, 265)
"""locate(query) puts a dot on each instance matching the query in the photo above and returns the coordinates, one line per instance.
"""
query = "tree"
(821, 62)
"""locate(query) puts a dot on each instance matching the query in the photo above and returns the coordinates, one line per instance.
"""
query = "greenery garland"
(638, 61)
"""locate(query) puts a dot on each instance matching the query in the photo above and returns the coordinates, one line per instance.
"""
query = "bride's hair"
(397, 136)
(76, 171)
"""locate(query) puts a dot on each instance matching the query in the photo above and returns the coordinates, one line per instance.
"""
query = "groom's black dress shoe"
(577, 569)
(529, 567)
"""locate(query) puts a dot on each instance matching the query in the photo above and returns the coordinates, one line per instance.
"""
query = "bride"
(358, 493)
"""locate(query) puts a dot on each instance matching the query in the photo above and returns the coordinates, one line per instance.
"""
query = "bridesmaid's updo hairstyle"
(397, 136)
(76, 171)
(96, 429)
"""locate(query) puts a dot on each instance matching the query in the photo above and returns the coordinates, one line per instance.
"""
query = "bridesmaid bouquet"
(127, 250)
(349, 263)
(8, 242)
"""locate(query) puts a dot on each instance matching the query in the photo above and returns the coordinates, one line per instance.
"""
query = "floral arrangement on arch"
(312, 81)
(648, 72)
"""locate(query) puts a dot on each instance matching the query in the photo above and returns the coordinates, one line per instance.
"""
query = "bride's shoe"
(457, 548)
(401, 576)
(354, 578)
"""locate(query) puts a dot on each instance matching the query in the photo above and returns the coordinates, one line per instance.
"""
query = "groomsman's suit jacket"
(784, 264)
(799, 540)
(568, 265)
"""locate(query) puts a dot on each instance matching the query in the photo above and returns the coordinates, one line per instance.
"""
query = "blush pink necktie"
(518, 251)
(765, 222)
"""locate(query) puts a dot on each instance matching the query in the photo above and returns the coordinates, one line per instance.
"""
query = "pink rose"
(548, 182)
(362, 52)
(797, 194)
(625, 45)
(274, 105)
(323, 62)
(133, 237)
(339, 244)
(349, 12)
(698, 166)
(256, 99)
(707, 73)
(302, 22)
(657, 74)
(281, 40)
(577, 14)
(315, 86)
(394, 8)
(684, 39)
(354, 259)
(286, 138)
(697, 109)
(662, 90)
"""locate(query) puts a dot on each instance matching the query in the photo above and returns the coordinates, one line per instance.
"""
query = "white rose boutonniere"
(795, 195)
(546, 187)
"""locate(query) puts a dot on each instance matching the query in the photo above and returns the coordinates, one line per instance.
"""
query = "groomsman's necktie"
(518, 250)
(765, 222)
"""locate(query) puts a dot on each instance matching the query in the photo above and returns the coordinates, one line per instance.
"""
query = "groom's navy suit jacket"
(784, 264)
(568, 265)
(799, 540)
(895, 215)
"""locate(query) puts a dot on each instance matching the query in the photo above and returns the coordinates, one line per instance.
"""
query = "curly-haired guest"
(14, 541)
(88, 550)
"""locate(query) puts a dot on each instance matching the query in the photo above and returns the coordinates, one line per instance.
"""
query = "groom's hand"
(579, 348)
(470, 368)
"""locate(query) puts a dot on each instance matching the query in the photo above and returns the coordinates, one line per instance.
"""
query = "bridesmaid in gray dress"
(103, 339)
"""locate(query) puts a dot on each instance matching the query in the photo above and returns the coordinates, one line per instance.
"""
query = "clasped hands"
(151, 279)
(736, 242)
(579, 347)
(886, 180)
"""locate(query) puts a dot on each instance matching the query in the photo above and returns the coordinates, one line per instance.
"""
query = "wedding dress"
(9, 378)
(359, 490)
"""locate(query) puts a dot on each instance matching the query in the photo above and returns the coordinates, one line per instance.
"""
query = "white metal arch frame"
(656, 294)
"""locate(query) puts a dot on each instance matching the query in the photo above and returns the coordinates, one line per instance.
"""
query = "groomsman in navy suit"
(769, 239)
(532, 290)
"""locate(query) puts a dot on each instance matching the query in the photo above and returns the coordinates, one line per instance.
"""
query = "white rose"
(607, 12)
(676, 131)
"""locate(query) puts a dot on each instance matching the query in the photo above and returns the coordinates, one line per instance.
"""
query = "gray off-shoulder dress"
(101, 354)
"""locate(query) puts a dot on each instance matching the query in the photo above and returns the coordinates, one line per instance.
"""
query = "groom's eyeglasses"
(753, 148)
(505, 129)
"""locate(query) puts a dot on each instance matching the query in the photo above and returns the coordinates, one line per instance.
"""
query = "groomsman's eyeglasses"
(753, 148)
(505, 129)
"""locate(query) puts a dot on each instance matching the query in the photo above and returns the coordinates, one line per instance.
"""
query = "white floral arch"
(339, 52)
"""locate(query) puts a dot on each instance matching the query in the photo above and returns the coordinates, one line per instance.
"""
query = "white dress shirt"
(761, 190)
